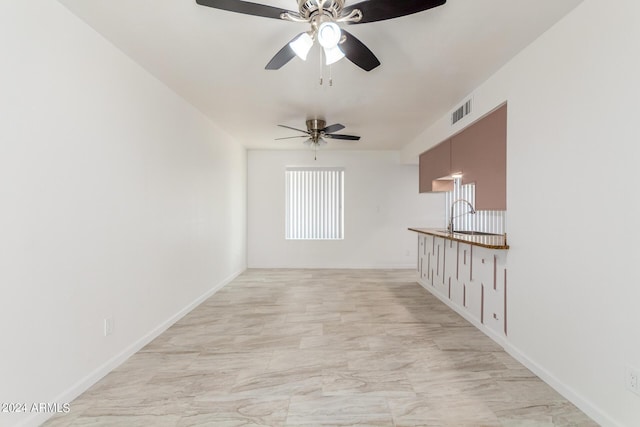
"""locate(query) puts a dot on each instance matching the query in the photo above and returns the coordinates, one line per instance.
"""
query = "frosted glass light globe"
(329, 34)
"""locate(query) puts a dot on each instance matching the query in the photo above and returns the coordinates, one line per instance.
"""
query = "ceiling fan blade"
(283, 56)
(245, 7)
(332, 128)
(292, 137)
(299, 130)
(338, 136)
(379, 10)
(358, 53)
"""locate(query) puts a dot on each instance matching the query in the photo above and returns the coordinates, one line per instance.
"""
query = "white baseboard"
(567, 392)
(85, 383)
(411, 266)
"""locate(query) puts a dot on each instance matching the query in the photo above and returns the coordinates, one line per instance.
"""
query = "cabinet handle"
(444, 261)
(482, 303)
(471, 264)
(464, 295)
(505, 301)
(495, 273)
(457, 260)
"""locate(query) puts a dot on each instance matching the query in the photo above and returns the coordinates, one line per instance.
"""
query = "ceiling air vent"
(460, 112)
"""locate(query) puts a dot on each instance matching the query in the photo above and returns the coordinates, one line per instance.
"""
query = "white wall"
(573, 147)
(381, 201)
(117, 198)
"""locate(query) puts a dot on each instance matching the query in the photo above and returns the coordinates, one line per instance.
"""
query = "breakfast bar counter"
(485, 240)
(468, 272)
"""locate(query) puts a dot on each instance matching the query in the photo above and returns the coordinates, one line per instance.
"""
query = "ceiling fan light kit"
(329, 35)
(302, 45)
(332, 55)
(324, 17)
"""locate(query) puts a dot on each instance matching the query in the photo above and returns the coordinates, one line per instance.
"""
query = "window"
(314, 203)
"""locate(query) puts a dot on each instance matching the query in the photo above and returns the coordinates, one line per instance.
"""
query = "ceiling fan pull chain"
(320, 67)
(330, 77)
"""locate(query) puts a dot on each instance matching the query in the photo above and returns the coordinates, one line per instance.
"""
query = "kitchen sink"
(475, 233)
(470, 233)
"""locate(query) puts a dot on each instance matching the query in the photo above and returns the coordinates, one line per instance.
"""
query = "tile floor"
(322, 348)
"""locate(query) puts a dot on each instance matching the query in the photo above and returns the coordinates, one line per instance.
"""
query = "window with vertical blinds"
(314, 203)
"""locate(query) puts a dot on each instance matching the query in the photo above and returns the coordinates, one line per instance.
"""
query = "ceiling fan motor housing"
(315, 126)
(308, 8)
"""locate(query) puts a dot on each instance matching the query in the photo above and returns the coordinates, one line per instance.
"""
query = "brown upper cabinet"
(479, 152)
(434, 164)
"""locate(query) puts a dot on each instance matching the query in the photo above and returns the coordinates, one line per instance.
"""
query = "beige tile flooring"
(322, 348)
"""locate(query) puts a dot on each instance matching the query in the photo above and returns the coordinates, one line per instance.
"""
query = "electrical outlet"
(632, 380)
(108, 326)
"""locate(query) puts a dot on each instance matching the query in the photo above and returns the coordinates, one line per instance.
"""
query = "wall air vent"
(460, 112)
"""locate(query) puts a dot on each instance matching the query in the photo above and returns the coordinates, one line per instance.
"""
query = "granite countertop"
(491, 241)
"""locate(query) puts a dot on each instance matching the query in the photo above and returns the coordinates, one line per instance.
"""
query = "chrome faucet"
(451, 217)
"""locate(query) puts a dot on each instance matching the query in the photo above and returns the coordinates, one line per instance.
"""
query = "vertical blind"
(314, 200)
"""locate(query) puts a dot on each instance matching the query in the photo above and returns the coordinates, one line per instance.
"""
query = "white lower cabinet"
(422, 258)
(438, 275)
(449, 267)
(473, 299)
(462, 275)
(472, 279)
(495, 282)
(425, 256)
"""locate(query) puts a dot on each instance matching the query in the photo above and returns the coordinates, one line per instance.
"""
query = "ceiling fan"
(324, 17)
(317, 131)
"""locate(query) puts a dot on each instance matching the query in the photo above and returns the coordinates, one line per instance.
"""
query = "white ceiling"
(215, 59)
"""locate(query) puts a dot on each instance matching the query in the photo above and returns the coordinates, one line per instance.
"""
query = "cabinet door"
(460, 276)
(422, 257)
(470, 286)
(450, 267)
(473, 295)
(495, 304)
(438, 258)
(483, 276)
(435, 163)
(480, 153)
